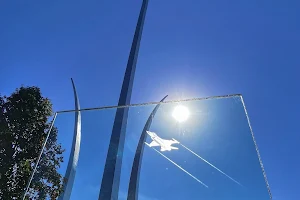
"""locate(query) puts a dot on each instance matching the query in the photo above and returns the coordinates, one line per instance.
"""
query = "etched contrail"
(181, 168)
(211, 165)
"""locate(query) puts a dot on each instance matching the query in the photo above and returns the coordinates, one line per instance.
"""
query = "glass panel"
(200, 149)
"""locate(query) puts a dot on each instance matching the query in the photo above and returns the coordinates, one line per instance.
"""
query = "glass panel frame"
(138, 113)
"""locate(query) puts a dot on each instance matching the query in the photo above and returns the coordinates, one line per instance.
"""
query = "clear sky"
(189, 49)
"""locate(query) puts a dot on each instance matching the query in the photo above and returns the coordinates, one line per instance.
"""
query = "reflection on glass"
(196, 149)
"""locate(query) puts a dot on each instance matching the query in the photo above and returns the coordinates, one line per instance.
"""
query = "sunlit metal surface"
(74, 155)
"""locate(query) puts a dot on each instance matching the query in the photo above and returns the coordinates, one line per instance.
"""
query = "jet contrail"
(211, 164)
(180, 168)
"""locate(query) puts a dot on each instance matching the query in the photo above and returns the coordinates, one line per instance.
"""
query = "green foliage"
(24, 124)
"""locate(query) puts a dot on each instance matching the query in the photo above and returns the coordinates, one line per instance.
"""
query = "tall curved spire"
(133, 189)
(112, 171)
(74, 155)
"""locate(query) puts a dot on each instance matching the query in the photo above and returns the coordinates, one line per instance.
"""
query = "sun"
(181, 113)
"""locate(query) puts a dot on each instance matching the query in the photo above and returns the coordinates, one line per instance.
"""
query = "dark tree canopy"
(24, 124)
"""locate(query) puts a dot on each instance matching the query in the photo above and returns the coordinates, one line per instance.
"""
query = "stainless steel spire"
(112, 170)
(74, 155)
(133, 189)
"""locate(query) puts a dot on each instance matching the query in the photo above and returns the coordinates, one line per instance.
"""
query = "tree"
(24, 124)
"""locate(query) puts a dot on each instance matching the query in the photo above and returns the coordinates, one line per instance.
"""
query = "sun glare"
(181, 113)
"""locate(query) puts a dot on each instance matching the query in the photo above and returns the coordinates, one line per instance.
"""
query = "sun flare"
(181, 113)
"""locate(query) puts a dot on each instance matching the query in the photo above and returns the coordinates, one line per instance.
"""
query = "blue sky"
(189, 49)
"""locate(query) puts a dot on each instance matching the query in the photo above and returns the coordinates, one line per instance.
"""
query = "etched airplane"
(165, 145)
